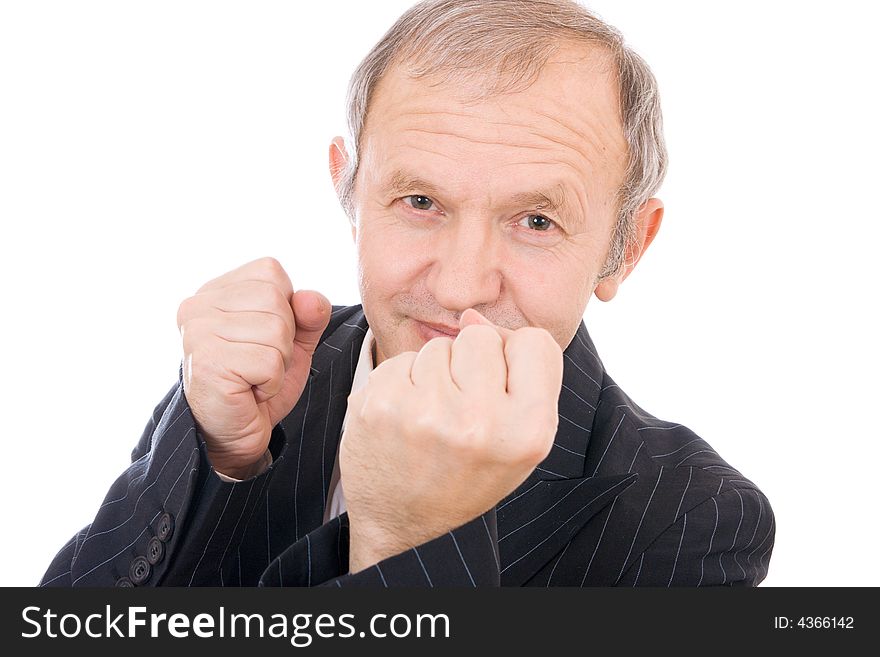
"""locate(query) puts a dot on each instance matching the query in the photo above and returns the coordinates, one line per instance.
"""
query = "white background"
(147, 147)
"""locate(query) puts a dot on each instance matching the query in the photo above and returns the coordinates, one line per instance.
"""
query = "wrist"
(238, 470)
(369, 544)
(371, 541)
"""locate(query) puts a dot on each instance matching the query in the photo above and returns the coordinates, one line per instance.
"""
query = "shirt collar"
(364, 363)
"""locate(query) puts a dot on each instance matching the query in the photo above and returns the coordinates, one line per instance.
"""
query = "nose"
(466, 269)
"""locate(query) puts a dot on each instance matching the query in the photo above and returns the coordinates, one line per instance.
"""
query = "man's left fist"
(438, 437)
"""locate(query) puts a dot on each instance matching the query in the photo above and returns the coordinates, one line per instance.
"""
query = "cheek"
(552, 290)
(389, 258)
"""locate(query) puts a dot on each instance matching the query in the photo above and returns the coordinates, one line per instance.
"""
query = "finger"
(246, 302)
(430, 368)
(244, 296)
(477, 360)
(261, 328)
(311, 313)
(266, 270)
(258, 366)
(534, 365)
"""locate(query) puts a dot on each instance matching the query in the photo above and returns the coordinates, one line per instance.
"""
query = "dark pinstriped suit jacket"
(622, 499)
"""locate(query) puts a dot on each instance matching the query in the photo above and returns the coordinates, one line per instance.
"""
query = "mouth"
(429, 331)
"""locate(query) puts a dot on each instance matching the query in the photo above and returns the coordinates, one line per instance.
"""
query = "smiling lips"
(429, 330)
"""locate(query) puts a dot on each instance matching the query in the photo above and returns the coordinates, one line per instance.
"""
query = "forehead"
(566, 122)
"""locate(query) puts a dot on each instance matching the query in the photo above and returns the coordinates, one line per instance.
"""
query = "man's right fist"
(248, 341)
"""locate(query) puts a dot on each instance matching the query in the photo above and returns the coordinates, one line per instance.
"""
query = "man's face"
(505, 205)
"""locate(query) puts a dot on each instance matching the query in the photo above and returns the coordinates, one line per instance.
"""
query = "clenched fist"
(248, 341)
(438, 437)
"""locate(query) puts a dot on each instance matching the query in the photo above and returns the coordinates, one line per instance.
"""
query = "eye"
(419, 202)
(536, 222)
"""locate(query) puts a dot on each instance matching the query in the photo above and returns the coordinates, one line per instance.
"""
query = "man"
(459, 428)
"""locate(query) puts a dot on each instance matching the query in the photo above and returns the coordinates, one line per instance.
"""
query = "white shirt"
(335, 497)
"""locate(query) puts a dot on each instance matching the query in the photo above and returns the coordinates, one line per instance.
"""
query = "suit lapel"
(313, 427)
(537, 523)
(542, 515)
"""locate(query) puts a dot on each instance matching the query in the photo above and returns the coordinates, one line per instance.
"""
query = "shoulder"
(626, 438)
(687, 499)
(690, 517)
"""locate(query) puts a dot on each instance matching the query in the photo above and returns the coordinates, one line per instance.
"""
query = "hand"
(438, 437)
(248, 341)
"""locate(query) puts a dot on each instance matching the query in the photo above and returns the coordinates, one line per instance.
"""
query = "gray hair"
(515, 38)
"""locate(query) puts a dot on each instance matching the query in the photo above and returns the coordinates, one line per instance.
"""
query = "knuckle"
(275, 361)
(278, 299)
(269, 266)
(424, 423)
(194, 365)
(190, 334)
(377, 375)
(184, 311)
(376, 409)
(270, 269)
(536, 450)
(541, 440)
(394, 368)
(269, 361)
(279, 330)
(470, 435)
(529, 433)
(199, 365)
(472, 439)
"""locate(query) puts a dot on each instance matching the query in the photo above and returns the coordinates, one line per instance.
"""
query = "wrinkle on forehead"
(489, 142)
(570, 113)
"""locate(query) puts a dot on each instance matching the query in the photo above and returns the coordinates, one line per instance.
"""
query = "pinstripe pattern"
(623, 498)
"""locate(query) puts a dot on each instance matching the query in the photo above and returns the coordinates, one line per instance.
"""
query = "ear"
(648, 220)
(338, 160)
(338, 163)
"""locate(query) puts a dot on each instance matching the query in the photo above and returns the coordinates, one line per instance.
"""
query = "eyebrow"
(552, 199)
(400, 183)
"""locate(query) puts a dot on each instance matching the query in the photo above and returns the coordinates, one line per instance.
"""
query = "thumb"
(311, 313)
(470, 317)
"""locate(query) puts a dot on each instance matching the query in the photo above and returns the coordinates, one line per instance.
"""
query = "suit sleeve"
(466, 556)
(162, 519)
(726, 540)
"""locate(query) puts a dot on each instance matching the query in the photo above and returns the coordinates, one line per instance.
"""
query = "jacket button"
(140, 570)
(155, 551)
(124, 582)
(165, 528)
